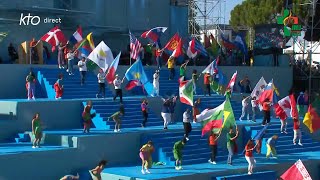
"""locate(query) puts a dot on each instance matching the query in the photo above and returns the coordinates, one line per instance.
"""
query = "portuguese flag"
(217, 118)
(186, 92)
(312, 117)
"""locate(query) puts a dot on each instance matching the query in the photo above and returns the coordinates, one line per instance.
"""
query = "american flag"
(135, 46)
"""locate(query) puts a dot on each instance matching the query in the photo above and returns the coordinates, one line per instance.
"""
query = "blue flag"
(260, 134)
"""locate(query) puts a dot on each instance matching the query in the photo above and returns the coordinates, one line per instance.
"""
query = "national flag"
(259, 88)
(76, 36)
(312, 117)
(186, 92)
(54, 37)
(286, 107)
(267, 93)
(178, 51)
(241, 44)
(135, 46)
(206, 41)
(297, 172)
(214, 45)
(221, 77)
(228, 115)
(260, 134)
(173, 43)
(131, 84)
(191, 51)
(212, 68)
(136, 72)
(112, 70)
(84, 48)
(232, 81)
(226, 43)
(154, 33)
(90, 40)
(211, 118)
(102, 56)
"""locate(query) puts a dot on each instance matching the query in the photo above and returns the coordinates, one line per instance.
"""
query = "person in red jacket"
(206, 81)
(58, 87)
(249, 156)
(213, 143)
(296, 131)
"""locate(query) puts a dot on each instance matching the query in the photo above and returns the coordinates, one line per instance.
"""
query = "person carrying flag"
(266, 111)
(213, 143)
(249, 156)
(82, 64)
(117, 86)
(183, 68)
(195, 78)
(296, 131)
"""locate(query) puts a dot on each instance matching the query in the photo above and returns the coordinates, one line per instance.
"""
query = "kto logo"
(26, 20)
(291, 26)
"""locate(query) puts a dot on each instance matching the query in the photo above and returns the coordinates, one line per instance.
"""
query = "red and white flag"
(286, 107)
(178, 51)
(112, 69)
(135, 46)
(232, 81)
(54, 37)
(192, 52)
(296, 172)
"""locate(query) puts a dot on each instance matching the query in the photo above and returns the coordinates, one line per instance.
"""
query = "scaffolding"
(205, 14)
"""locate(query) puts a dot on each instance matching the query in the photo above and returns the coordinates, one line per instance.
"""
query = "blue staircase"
(22, 137)
(196, 150)
(285, 144)
(131, 119)
(72, 87)
(270, 175)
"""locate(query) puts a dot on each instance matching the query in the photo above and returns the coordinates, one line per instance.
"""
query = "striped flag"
(135, 46)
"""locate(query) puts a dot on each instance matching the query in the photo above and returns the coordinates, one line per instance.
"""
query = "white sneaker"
(147, 171)
(33, 147)
(142, 171)
(209, 161)
(118, 130)
(194, 122)
(294, 143)
(29, 98)
(180, 168)
(187, 139)
(177, 168)
(300, 144)
(33, 98)
(249, 173)
(213, 162)
(67, 70)
(115, 130)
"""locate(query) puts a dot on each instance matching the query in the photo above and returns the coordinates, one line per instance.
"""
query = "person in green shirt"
(183, 68)
(231, 137)
(177, 153)
(116, 118)
(36, 130)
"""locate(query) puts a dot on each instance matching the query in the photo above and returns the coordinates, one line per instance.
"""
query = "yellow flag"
(90, 40)
(307, 121)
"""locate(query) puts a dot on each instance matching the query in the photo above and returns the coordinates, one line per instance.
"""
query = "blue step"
(258, 175)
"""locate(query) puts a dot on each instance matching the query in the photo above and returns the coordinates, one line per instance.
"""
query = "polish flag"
(297, 172)
(112, 70)
(232, 81)
(286, 107)
(54, 37)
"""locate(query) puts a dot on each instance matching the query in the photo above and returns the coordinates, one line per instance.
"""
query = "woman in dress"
(145, 155)
(86, 116)
(36, 130)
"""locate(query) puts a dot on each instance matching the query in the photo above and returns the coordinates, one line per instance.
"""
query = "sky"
(230, 4)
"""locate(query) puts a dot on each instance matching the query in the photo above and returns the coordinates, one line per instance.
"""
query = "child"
(213, 146)
(245, 105)
(96, 172)
(266, 111)
(86, 116)
(271, 147)
(249, 156)
(177, 153)
(36, 130)
(195, 109)
(254, 107)
(231, 137)
(186, 123)
(116, 118)
(102, 86)
(58, 87)
(144, 110)
(145, 155)
(296, 131)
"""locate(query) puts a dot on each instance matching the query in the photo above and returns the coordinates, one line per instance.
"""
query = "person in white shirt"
(117, 86)
(156, 76)
(102, 86)
(245, 105)
(82, 64)
(254, 104)
(70, 57)
(186, 123)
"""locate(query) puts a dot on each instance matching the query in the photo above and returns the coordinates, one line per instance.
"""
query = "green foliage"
(254, 12)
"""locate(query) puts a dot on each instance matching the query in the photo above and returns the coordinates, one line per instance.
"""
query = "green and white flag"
(186, 92)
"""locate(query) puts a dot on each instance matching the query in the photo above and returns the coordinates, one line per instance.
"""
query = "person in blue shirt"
(271, 147)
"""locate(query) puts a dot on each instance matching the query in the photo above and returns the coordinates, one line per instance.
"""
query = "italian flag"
(217, 118)
(112, 69)
(186, 92)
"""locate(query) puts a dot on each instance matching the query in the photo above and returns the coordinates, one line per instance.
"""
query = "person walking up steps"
(116, 118)
(70, 57)
(145, 155)
(183, 68)
(30, 79)
(245, 107)
(144, 110)
(165, 113)
(171, 63)
(296, 131)
(36, 130)
(117, 86)
(102, 86)
(155, 83)
(254, 104)
(177, 153)
(249, 156)
(283, 128)
(59, 86)
(186, 123)
(87, 117)
(271, 147)
(172, 107)
(82, 64)
(213, 143)
(266, 111)
(231, 137)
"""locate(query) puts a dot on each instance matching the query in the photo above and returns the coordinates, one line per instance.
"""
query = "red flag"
(173, 42)
(54, 37)
(132, 84)
(296, 172)
(112, 69)
(178, 51)
(232, 81)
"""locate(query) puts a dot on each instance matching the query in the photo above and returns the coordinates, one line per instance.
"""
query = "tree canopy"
(254, 12)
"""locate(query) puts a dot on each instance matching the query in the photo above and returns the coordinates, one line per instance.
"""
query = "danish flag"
(54, 37)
